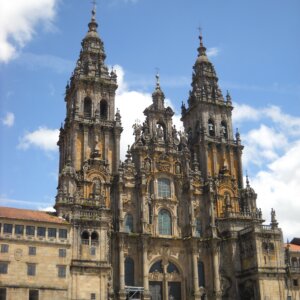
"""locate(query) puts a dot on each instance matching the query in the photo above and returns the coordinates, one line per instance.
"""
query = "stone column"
(165, 283)
(205, 169)
(122, 294)
(106, 146)
(214, 151)
(240, 170)
(231, 163)
(145, 271)
(217, 285)
(117, 150)
(195, 274)
(74, 142)
(85, 142)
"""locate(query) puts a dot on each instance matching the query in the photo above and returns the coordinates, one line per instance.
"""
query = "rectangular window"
(19, 229)
(3, 267)
(61, 271)
(41, 231)
(62, 252)
(198, 227)
(2, 294)
(93, 296)
(52, 232)
(33, 295)
(63, 233)
(32, 250)
(93, 251)
(7, 228)
(30, 230)
(31, 269)
(4, 248)
(295, 282)
(164, 188)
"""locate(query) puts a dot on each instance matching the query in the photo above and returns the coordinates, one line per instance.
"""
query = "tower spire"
(201, 49)
(93, 24)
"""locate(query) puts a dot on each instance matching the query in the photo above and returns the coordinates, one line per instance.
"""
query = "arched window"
(87, 107)
(94, 238)
(211, 127)
(150, 212)
(85, 238)
(172, 268)
(224, 129)
(264, 246)
(198, 227)
(294, 262)
(103, 110)
(160, 131)
(156, 267)
(164, 188)
(129, 271)
(201, 274)
(151, 188)
(164, 222)
(128, 223)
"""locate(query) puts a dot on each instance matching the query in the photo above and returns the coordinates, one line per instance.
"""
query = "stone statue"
(160, 133)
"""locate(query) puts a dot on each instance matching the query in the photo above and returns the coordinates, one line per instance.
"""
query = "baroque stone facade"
(173, 221)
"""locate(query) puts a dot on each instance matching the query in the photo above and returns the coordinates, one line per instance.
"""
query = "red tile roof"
(29, 215)
(293, 247)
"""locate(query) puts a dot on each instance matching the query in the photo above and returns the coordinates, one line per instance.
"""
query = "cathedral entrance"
(155, 290)
(165, 281)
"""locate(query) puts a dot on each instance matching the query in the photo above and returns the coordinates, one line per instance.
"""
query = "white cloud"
(132, 104)
(42, 138)
(278, 187)
(9, 119)
(282, 121)
(275, 148)
(18, 20)
(244, 112)
(47, 208)
(262, 145)
(212, 52)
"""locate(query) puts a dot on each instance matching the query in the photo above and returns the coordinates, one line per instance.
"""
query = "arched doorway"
(165, 281)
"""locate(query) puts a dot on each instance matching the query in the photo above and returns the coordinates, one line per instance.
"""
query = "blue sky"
(254, 46)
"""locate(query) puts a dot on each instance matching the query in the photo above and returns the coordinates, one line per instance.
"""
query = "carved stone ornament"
(225, 285)
(163, 166)
(147, 165)
(18, 254)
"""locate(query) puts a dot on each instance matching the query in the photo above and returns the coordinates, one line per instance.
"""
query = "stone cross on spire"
(200, 35)
(94, 2)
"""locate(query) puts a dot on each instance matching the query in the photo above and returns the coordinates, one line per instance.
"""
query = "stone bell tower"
(207, 121)
(89, 146)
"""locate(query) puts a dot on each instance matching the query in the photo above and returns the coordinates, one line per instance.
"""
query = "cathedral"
(175, 220)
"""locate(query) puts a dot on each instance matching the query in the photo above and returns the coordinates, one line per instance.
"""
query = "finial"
(201, 49)
(228, 97)
(200, 36)
(94, 2)
(237, 135)
(274, 222)
(128, 155)
(157, 78)
(247, 179)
